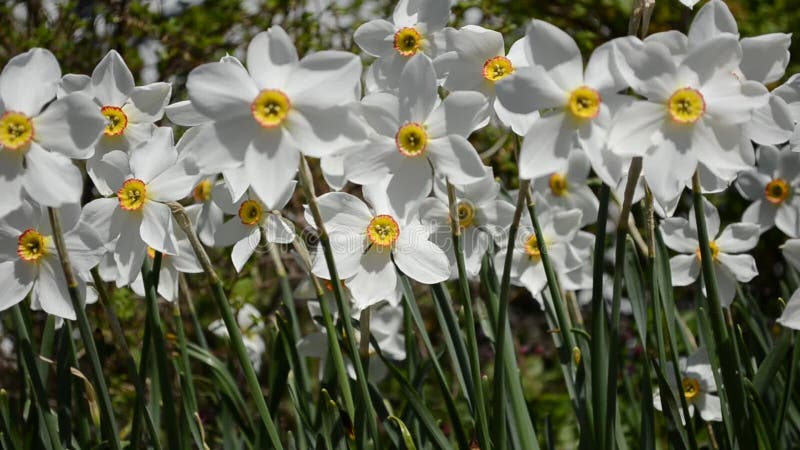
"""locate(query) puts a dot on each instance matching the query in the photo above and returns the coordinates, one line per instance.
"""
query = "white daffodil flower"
(415, 29)
(772, 188)
(137, 217)
(482, 215)
(790, 317)
(130, 111)
(727, 250)
(695, 113)
(560, 230)
(209, 216)
(385, 327)
(253, 221)
(184, 261)
(29, 261)
(263, 117)
(568, 189)
(411, 134)
(476, 61)
(764, 60)
(579, 103)
(698, 386)
(38, 136)
(369, 246)
(251, 324)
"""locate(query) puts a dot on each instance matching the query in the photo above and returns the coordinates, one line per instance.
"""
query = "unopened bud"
(576, 355)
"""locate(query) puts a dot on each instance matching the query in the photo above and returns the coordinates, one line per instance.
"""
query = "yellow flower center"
(407, 41)
(686, 105)
(383, 230)
(584, 103)
(466, 213)
(151, 252)
(202, 192)
(532, 248)
(16, 130)
(714, 250)
(31, 245)
(411, 139)
(691, 388)
(116, 120)
(777, 191)
(270, 108)
(250, 212)
(497, 68)
(132, 195)
(558, 184)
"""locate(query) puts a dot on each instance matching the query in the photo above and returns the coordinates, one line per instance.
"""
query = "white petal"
(760, 213)
(772, 123)
(185, 114)
(790, 317)
(375, 37)
(71, 125)
(732, 101)
(417, 90)
(153, 157)
(738, 238)
(743, 267)
(454, 157)
(16, 279)
(634, 127)
(221, 91)
(371, 163)
(678, 235)
(51, 178)
(11, 176)
(710, 408)
(322, 131)
(109, 172)
(244, 248)
(787, 219)
(420, 258)
(232, 231)
(460, 113)
(376, 279)
(381, 111)
(29, 80)
(112, 81)
(717, 56)
(713, 19)
(343, 212)
(174, 183)
(147, 103)
(791, 251)
(751, 184)
(279, 230)
(220, 145)
(156, 229)
(765, 57)
(556, 52)
(267, 53)
(530, 89)
(684, 269)
(324, 79)
(271, 164)
(546, 146)
(51, 290)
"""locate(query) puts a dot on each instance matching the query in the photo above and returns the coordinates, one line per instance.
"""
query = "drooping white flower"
(208, 213)
(38, 138)
(698, 385)
(482, 215)
(579, 101)
(476, 61)
(772, 187)
(790, 317)
(184, 261)
(695, 112)
(369, 246)
(385, 327)
(251, 324)
(265, 116)
(411, 134)
(137, 216)
(253, 221)
(415, 29)
(728, 248)
(29, 261)
(568, 248)
(568, 189)
(130, 111)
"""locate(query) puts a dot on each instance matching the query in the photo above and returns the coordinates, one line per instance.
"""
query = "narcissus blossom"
(29, 261)
(253, 221)
(728, 248)
(483, 216)
(578, 102)
(698, 386)
(264, 116)
(790, 317)
(371, 245)
(137, 217)
(251, 325)
(39, 136)
(412, 133)
(695, 113)
(415, 29)
(130, 111)
(772, 187)
(184, 261)
(568, 190)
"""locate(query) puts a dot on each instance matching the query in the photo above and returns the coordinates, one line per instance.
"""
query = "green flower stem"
(150, 278)
(198, 329)
(341, 303)
(39, 393)
(479, 401)
(334, 348)
(218, 293)
(187, 368)
(731, 373)
(499, 410)
(110, 431)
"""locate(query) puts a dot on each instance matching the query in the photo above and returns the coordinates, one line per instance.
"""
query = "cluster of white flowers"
(684, 103)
